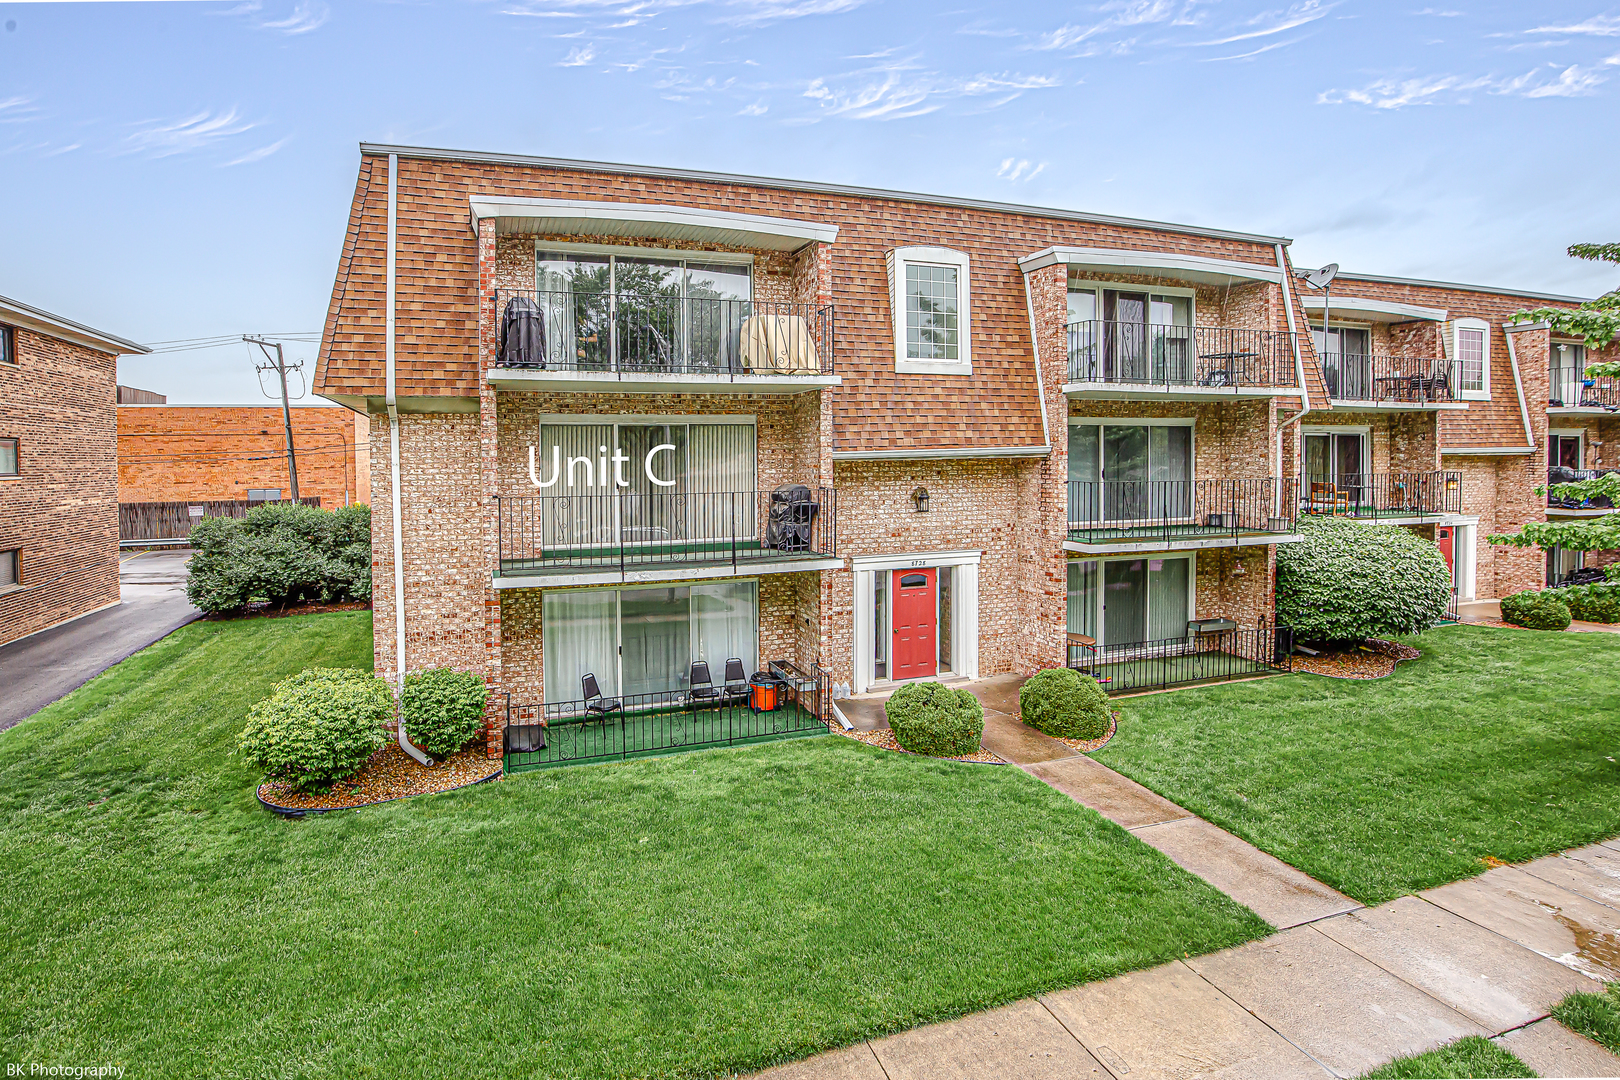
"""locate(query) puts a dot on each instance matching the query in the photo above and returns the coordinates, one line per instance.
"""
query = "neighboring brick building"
(58, 469)
(179, 453)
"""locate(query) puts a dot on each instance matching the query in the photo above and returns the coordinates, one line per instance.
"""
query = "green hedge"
(442, 709)
(281, 553)
(317, 727)
(1347, 581)
(930, 718)
(1536, 609)
(1598, 602)
(1064, 703)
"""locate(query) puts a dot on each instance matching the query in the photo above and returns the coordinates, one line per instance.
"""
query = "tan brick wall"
(61, 510)
(174, 453)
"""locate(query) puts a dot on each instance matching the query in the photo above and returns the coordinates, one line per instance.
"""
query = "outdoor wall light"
(919, 499)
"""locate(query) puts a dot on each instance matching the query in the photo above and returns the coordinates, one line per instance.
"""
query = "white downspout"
(1518, 385)
(393, 461)
(1299, 361)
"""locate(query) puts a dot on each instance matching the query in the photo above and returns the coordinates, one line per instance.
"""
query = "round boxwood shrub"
(317, 727)
(1598, 602)
(1536, 610)
(1347, 581)
(1064, 703)
(442, 709)
(930, 718)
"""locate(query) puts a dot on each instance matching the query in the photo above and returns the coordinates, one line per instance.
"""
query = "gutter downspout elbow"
(396, 497)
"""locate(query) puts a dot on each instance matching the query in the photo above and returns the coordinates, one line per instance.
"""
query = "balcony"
(1570, 393)
(1392, 382)
(1596, 506)
(1125, 516)
(1202, 656)
(1125, 360)
(1404, 498)
(654, 343)
(612, 538)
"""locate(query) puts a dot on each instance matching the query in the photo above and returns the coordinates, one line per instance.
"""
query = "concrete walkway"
(38, 669)
(1340, 990)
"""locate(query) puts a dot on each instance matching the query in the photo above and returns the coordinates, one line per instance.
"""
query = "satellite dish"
(1319, 279)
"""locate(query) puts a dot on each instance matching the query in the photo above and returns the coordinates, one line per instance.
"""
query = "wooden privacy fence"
(151, 523)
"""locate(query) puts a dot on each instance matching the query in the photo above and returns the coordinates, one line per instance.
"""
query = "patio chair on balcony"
(700, 688)
(735, 690)
(595, 703)
(1328, 498)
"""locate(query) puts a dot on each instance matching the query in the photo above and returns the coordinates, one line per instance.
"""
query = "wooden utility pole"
(280, 367)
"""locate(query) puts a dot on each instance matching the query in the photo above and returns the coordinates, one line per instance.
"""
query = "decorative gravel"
(1375, 659)
(884, 739)
(390, 773)
(1086, 746)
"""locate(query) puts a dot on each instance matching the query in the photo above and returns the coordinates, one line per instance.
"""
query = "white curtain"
(578, 514)
(724, 623)
(721, 470)
(579, 634)
(653, 628)
(1167, 598)
(1083, 597)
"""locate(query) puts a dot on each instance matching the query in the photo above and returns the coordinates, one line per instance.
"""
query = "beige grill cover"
(778, 343)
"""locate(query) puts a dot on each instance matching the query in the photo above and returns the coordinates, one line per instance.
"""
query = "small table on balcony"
(1225, 375)
(1088, 643)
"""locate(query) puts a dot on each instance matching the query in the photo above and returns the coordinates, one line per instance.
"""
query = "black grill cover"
(523, 334)
(792, 517)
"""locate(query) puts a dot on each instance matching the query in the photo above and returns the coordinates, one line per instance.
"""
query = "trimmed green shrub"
(1597, 602)
(1536, 609)
(1347, 581)
(281, 553)
(317, 727)
(1612, 571)
(930, 718)
(442, 709)
(1064, 703)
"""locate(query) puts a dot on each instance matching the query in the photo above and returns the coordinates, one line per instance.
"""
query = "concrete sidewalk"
(37, 670)
(1340, 990)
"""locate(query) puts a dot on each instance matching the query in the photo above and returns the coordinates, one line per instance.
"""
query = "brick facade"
(60, 512)
(175, 453)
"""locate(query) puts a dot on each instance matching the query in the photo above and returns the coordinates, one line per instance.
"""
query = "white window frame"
(1578, 434)
(964, 610)
(1364, 430)
(1097, 616)
(1096, 286)
(1459, 325)
(1144, 421)
(898, 259)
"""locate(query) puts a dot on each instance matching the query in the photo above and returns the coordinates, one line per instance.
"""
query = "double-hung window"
(8, 457)
(8, 345)
(1471, 348)
(929, 294)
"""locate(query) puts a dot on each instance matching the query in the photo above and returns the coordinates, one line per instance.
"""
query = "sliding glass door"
(643, 641)
(1346, 354)
(1335, 467)
(1125, 473)
(1124, 601)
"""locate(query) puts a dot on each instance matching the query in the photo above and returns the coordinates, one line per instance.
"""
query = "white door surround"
(964, 609)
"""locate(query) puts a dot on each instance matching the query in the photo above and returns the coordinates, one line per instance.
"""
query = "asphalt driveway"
(39, 669)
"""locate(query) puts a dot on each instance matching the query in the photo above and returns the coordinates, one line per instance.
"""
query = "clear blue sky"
(181, 169)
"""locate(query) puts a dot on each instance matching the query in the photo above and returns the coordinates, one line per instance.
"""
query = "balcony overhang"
(652, 382)
(1581, 410)
(1135, 547)
(691, 572)
(1574, 512)
(1194, 268)
(590, 217)
(1378, 311)
(1096, 391)
(1353, 405)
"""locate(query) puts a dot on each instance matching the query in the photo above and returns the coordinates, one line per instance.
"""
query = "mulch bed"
(388, 774)
(884, 739)
(267, 611)
(1375, 659)
(1086, 746)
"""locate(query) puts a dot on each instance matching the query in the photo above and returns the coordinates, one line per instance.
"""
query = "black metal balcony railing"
(1125, 510)
(1571, 389)
(633, 334)
(566, 733)
(1558, 474)
(1198, 657)
(1377, 495)
(1179, 356)
(544, 533)
(1416, 380)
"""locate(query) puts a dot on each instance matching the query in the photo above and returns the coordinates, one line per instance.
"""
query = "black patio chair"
(700, 688)
(735, 691)
(595, 703)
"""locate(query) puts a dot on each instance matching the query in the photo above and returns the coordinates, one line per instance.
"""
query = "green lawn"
(1495, 743)
(1597, 1016)
(1472, 1056)
(666, 917)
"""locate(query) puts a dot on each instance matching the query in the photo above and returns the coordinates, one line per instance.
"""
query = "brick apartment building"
(58, 469)
(212, 453)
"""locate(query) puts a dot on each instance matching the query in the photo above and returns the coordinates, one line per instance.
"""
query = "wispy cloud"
(1015, 170)
(1117, 15)
(759, 12)
(1597, 26)
(258, 155)
(578, 56)
(1543, 82)
(17, 110)
(900, 91)
(758, 108)
(1247, 55)
(305, 17)
(1439, 13)
(626, 13)
(1275, 22)
(164, 138)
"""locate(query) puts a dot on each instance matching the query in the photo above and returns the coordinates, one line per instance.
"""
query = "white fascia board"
(1144, 547)
(1485, 451)
(1522, 327)
(942, 452)
(1119, 260)
(677, 573)
(29, 317)
(1391, 311)
(650, 214)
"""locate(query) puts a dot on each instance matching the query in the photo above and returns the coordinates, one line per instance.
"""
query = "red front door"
(1444, 538)
(916, 647)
